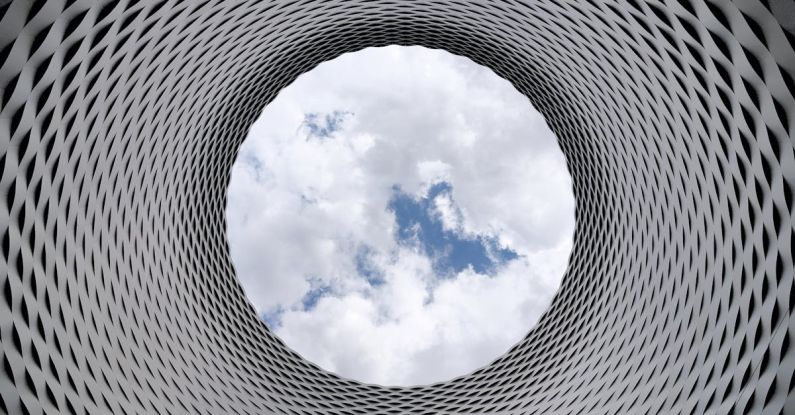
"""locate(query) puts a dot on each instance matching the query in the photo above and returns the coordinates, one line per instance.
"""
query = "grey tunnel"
(120, 121)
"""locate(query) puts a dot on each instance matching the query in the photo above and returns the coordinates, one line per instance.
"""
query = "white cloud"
(451, 217)
(300, 210)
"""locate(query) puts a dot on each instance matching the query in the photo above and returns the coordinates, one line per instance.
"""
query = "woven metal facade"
(120, 121)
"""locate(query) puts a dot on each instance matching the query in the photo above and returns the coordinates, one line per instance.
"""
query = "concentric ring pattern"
(120, 120)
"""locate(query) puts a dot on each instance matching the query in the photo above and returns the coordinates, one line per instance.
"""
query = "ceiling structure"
(120, 121)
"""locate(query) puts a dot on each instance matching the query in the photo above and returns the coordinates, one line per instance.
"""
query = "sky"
(400, 215)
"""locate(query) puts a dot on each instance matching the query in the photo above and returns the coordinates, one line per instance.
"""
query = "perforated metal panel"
(120, 120)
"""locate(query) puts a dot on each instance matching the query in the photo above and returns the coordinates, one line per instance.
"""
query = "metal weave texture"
(120, 121)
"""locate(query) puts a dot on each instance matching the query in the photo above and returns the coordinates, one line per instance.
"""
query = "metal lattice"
(120, 121)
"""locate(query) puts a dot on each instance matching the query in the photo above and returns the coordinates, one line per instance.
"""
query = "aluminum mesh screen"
(120, 121)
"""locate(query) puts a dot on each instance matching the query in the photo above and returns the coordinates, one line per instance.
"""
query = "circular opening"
(400, 215)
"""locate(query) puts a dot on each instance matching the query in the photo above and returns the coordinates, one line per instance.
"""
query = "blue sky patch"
(324, 125)
(272, 318)
(366, 268)
(318, 290)
(257, 167)
(418, 224)
(313, 295)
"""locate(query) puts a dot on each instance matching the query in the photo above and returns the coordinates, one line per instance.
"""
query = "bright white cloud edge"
(299, 208)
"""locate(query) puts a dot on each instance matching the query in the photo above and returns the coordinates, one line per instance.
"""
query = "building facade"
(120, 121)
